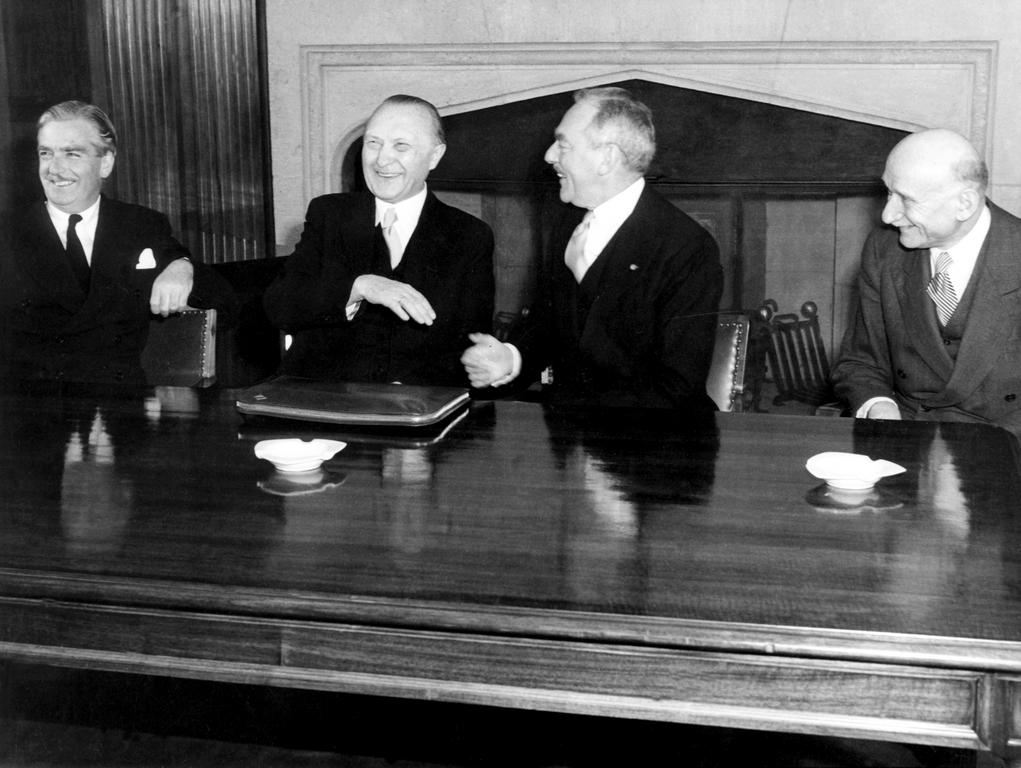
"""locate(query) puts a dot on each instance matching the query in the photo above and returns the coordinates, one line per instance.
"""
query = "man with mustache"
(937, 331)
(81, 274)
(630, 286)
(385, 285)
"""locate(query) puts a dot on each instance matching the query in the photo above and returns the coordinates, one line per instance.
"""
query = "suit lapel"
(358, 231)
(994, 309)
(107, 259)
(44, 259)
(622, 261)
(918, 314)
(428, 242)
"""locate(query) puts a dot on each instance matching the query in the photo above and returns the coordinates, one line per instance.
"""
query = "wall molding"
(902, 85)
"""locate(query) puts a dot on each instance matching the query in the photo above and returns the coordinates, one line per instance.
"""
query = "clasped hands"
(487, 361)
(400, 298)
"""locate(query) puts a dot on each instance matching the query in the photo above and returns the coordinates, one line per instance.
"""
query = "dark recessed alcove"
(704, 139)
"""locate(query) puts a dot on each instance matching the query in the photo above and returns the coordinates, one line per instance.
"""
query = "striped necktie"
(941, 290)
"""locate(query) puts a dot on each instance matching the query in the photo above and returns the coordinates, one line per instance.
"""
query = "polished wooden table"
(621, 564)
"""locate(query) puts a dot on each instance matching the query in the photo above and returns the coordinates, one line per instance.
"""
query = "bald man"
(937, 331)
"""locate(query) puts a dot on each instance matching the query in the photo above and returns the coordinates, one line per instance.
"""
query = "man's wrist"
(515, 367)
(357, 293)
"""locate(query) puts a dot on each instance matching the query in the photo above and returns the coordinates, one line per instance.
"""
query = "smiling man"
(630, 286)
(385, 285)
(81, 274)
(937, 331)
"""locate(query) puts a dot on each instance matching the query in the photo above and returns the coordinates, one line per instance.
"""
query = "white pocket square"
(146, 260)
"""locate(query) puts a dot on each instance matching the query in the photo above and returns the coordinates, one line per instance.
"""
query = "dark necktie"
(941, 290)
(76, 254)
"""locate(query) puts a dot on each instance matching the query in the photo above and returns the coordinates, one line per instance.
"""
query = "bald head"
(944, 156)
(936, 182)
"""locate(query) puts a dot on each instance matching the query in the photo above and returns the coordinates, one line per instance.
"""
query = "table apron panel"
(1012, 720)
(944, 707)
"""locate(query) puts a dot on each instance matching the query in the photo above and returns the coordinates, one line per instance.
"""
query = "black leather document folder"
(401, 405)
(181, 349)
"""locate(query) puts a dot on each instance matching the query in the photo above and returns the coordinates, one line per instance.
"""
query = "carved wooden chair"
(797, 358)
(728, 373)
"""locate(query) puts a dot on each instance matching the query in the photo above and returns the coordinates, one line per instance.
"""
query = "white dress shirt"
(409, 211)
(606, 219)
(85, 229)
(964, 253)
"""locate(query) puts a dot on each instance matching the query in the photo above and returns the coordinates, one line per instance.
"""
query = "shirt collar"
(965, 253)
(408, 211)
(608, 216)
(614, 211)
(89, 216)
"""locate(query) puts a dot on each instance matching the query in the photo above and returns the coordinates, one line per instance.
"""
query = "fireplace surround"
(948, 84)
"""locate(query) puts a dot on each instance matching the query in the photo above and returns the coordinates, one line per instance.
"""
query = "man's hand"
(403, 300)
(884, 410)
(171, 288)
(487, 360)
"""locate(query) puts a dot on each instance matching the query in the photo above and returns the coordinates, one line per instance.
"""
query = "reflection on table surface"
(521, 507)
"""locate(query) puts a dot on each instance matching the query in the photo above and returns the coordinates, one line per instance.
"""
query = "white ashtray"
(293, 454)
(850, 471)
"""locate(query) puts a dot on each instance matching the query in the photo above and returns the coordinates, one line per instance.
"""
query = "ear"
(968, 203)
(106, 164)
(437, 154)
(610, 159)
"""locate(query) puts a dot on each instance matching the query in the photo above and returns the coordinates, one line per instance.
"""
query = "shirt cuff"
(863, 410)
(515, 366)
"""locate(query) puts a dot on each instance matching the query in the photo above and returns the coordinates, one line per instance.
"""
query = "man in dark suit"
(629, 295)
(80, 274)
(937, 331)
(386, 285)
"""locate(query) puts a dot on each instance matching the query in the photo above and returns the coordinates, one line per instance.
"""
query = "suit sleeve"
(690, 303)
(209, 289)
(315, 285)
(534, 330)
(467, 296)
(479, 288)
(864, 369)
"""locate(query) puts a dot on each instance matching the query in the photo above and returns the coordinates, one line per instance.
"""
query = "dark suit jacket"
(894, 347)
(52, 331)
(646, 339)
(449, 259)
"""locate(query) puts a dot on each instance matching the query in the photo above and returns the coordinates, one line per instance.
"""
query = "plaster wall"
(905, 90)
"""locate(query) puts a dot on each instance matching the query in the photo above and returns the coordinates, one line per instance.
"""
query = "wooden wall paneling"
(185, 84)
(33, 80)
(6, 144)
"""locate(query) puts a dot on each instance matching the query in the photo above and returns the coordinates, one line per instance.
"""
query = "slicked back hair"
(623, 120)
(80, 110)
(401, 99)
